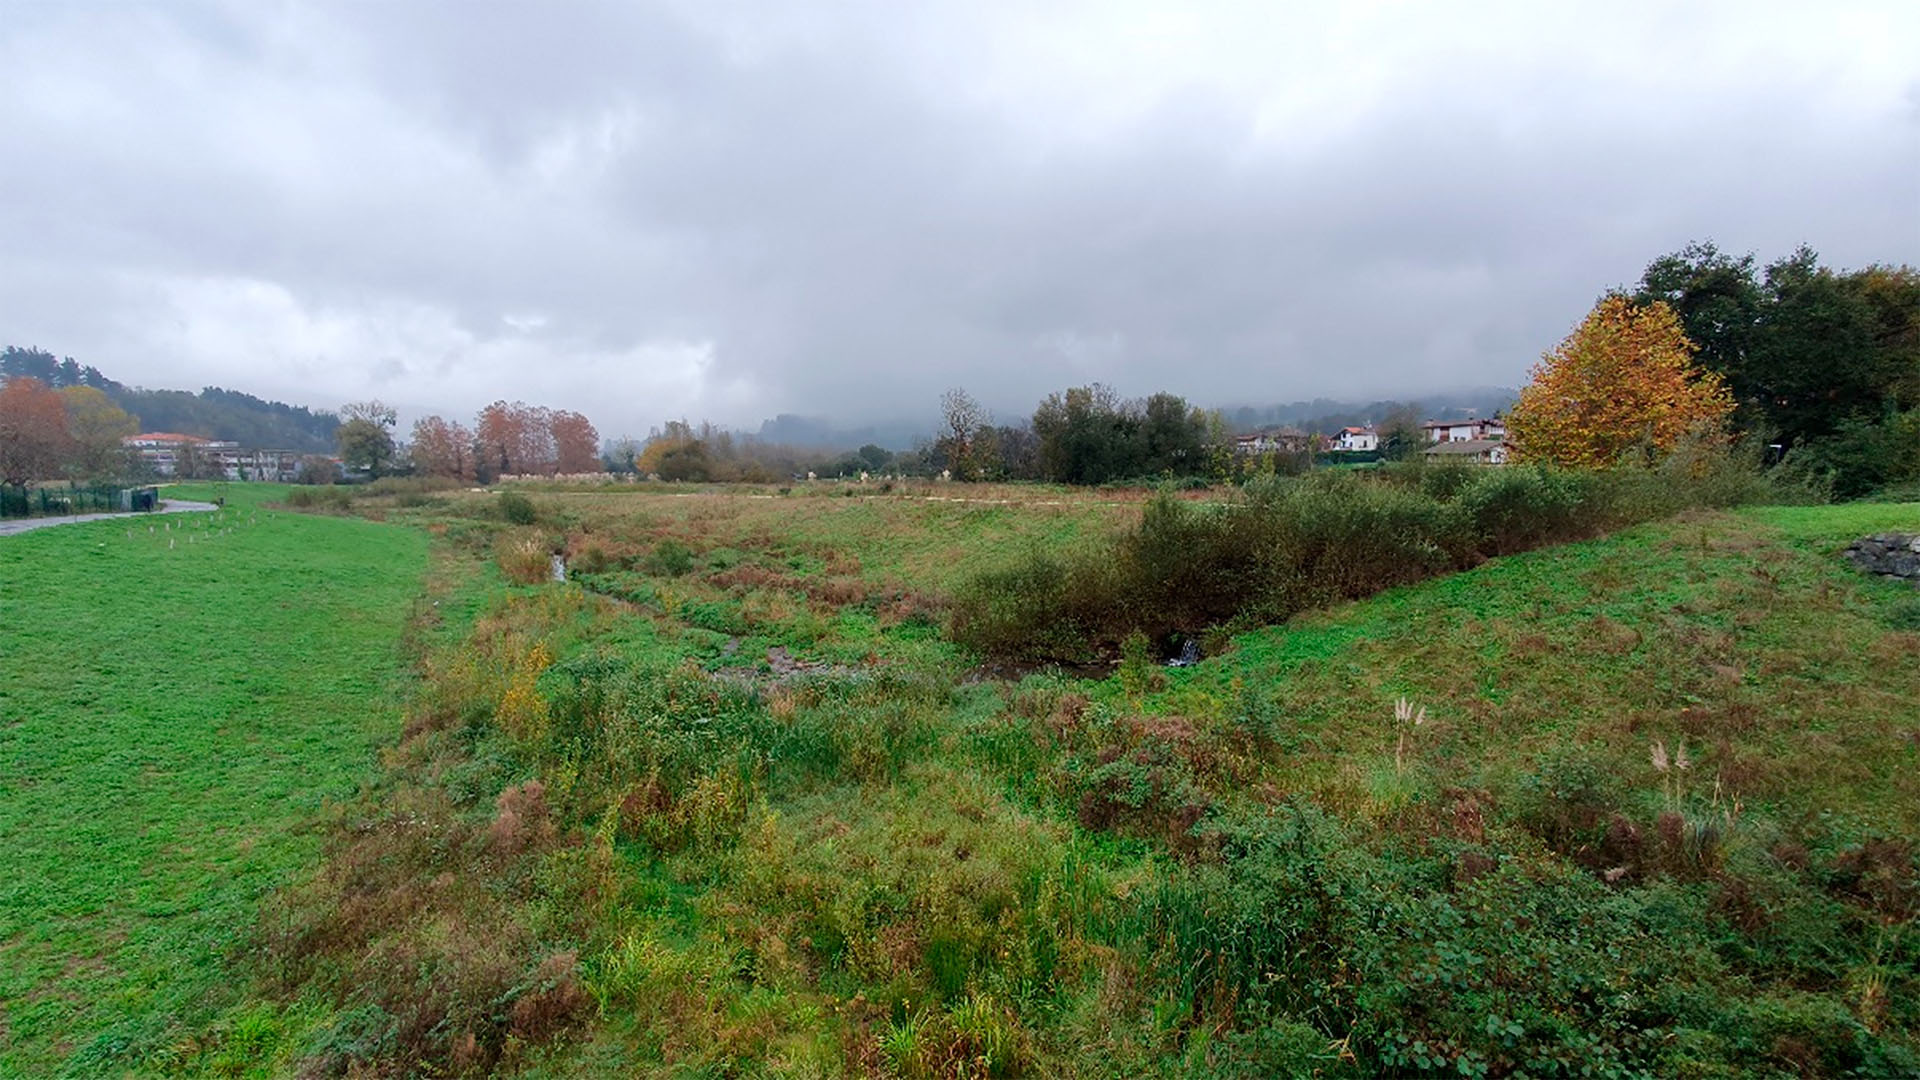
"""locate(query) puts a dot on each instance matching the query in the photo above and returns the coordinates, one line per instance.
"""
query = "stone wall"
(1892, 555)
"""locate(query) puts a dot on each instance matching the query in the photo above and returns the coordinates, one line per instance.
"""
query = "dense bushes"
(1288, 544)
(320, 498)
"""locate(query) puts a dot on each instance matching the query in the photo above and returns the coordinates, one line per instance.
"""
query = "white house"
(1356, 439)
(1440, 431)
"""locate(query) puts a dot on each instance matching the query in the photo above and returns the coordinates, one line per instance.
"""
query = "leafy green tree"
(1819, 361)
(1086, 436)
(1893, 295)
(1016, 452)
(621, 455)
(1719, 302)
(1173, 436)
(1401, 435)
(365, 436)
(1801, 347)
(1816, 360)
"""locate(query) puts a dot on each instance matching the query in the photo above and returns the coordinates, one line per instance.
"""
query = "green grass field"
(744, 809)
(730, 803)
(1741, 632)
(175, 707)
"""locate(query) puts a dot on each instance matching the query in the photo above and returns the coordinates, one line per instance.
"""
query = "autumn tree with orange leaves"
(576, 445)
(522, 439)
(441, 448)
(34, 439)
(1624, 379)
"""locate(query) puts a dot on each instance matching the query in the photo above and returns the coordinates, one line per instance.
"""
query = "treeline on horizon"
(1823, 367)
(213, 413)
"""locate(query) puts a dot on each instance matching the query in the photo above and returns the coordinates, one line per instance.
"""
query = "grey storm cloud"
(728, 210)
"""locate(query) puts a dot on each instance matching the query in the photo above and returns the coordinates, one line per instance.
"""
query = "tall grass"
(1284, 545)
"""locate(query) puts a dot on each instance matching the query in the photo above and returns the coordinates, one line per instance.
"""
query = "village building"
(1286, 440)
(1471, 451)
(1441, 431)
(170, 453)
(1353, 440)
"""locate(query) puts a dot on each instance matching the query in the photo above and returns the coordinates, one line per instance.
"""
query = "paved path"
(167, 506)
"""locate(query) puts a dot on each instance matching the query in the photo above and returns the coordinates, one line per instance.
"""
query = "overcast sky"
(733, 209)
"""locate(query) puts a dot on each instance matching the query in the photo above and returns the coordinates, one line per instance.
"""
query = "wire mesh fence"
(46, 502)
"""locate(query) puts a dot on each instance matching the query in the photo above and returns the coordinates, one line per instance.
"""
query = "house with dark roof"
(1470, 451)
(1286, 440)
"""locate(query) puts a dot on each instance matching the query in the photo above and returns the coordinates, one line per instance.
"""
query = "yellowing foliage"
(1625, 377)
(522, 711)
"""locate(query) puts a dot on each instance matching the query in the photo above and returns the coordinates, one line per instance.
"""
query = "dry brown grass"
(523, 558)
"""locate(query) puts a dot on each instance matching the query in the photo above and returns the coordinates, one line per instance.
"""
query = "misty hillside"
(820, 433)
(1326, 415)
(214, 413)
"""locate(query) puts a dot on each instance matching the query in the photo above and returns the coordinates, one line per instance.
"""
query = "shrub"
(1567, 800)
(1519, 508)
(524, 558)
(1284, 546)
(669, 558)
(1288, 544)
(1041, 607)
(592, 559)
(516, 509)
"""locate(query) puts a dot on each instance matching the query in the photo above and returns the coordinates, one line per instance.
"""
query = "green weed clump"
(669, 558)
(330, 497)
(516, 509)
(1904, 614)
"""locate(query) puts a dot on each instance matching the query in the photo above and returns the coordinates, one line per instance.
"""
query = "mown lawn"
(179, 695)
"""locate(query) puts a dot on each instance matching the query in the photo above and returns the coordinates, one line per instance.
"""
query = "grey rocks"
(1891, 555)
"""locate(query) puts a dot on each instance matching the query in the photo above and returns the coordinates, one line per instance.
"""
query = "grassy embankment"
(175, 705)
(738, 805)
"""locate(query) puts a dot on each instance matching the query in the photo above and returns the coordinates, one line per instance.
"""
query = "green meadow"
(362, 792)
(180, 697)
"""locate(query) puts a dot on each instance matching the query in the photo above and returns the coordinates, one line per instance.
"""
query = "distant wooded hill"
(214, 413)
